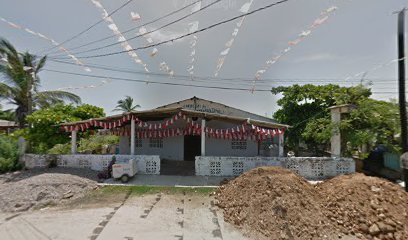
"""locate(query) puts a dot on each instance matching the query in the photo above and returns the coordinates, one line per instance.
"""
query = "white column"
(281, 144)
(203, 137)
(335, 138)
(132, 137)
(73, 142)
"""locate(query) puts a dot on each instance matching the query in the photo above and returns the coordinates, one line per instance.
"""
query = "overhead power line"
(178, 84)
(133, 28)
(188, 34)
(151, 31)
(230, 80)
(87, 29)
(154, 82)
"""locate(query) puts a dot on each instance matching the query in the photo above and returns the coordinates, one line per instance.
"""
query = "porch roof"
(163, 113)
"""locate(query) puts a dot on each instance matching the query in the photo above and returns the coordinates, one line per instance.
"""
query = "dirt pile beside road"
(38, 188)
(281, 205)
(366, 206)
(274, 202)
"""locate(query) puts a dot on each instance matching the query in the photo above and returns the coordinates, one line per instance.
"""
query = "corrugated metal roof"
(163, 113)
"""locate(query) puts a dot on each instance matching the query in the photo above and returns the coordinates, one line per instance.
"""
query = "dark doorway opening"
(192, 147)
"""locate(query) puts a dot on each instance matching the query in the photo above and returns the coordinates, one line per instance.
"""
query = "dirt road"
(152, 216)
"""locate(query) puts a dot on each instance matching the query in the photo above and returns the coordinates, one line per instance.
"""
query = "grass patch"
(140, 190)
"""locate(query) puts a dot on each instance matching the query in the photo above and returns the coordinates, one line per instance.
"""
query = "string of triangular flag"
(102, 83)
(324, 16)
(240, 133)
(124, 43)
(109, 124)
(163, 65)
(193, 26)
(52, 41)
(223, 54)
(363, 74)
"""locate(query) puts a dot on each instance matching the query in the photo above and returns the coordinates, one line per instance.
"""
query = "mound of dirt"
(274, 202)
(26, 190)
(281, 205)
(366, 206)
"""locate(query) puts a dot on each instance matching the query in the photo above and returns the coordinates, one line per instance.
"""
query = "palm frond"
(58, 96)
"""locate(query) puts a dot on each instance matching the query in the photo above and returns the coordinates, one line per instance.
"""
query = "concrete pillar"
(21, 145)
(203, 137)
(281, 140)
(132, 136)
(73, 142)
(335, 140)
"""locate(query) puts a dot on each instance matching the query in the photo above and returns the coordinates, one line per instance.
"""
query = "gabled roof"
(230, 111)
(163, 113)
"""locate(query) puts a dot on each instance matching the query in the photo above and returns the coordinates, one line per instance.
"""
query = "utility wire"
(175, 84)
(217, 79)
(154, 82)
(133, 28)
(149, 32)
(87, 29)
(188, 34)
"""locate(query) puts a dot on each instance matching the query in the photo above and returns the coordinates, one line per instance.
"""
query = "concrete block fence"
(146, 164)
(312, 168)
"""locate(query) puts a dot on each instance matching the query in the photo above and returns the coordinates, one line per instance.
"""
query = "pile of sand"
(281, 205)
(21, 191)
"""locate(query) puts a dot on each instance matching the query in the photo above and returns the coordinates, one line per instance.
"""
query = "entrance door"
(192, 147)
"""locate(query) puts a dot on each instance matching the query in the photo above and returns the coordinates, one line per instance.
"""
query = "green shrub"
(60, 149)
(8, 154)
(95, 144)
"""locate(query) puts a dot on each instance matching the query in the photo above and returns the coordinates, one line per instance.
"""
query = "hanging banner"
(103, 83)
(163, 65)
(223, 55)
(193, 26)
(52, 41)
(124, 43)
(324, 16)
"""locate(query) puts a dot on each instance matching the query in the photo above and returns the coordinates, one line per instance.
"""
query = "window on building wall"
(138, 143)
(239, 144)
(156, 142)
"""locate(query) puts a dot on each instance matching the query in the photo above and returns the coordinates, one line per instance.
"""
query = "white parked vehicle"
(124, 170)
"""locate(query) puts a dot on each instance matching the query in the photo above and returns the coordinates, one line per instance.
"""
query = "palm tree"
(20, 83)
(126, 105)
(7, 114)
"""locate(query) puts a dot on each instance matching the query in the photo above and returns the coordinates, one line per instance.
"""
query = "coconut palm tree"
(20, 82)
(7, 114)
(126, 105)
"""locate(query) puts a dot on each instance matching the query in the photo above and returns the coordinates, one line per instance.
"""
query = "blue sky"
(360, 35)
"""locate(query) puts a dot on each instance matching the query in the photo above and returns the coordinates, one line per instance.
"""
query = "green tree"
(45, 132)
(372, 122)
(7, 114)
(20, 85)
(126, 105)
(300, 105)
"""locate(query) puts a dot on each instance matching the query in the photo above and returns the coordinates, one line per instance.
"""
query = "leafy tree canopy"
(305, 108)
(45, 133)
